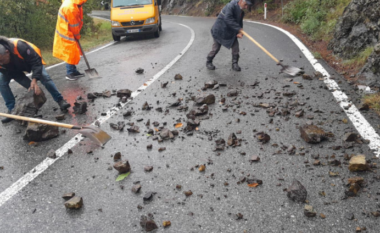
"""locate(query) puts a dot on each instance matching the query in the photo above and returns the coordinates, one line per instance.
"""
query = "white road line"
(358, 120)
(92, 51)
(40, 168)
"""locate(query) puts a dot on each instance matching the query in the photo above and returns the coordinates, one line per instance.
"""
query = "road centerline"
(22, 182)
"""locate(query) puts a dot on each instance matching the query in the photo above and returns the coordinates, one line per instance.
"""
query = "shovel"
(95, 134)
(293, 71)
(91, 73)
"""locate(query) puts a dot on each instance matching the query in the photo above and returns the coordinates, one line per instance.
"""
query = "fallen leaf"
(296, 82)
(178, 125)
(155, 129)
(145, 84)
(32, 143)
(253, 185)
(202, 168)
(196, 128)
(149, 135)
(166, 223)
(122, 176)
(345, 121)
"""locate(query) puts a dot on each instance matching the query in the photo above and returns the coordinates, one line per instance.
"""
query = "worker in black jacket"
(16, 57)
(225, 31)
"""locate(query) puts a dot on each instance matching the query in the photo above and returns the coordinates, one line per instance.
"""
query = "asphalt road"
(110, 206)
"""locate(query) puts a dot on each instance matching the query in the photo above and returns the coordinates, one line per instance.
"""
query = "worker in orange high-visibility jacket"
(18, 57)
(69, 24)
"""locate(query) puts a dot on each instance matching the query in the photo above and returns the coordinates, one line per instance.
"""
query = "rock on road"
(239, 189)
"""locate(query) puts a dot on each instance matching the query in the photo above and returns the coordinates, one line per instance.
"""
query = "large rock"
(198, 111)
(74, 203)
(29, 104)
(358, 163)
(297, 192)
(357, 28)
(205, 99)
(39, 132)
(312, 134)
(124, 92)
(122, 166)
(369, 74)
(166, 134)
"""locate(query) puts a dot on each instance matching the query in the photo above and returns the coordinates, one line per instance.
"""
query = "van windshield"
(121, 3)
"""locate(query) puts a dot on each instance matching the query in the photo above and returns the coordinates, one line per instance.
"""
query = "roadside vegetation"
(35, 21)
(373, 101)
(97, 35)
(317, 18)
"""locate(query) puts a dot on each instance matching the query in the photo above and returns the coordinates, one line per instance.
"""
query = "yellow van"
(131, 17)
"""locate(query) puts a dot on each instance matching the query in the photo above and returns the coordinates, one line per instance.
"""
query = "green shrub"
(36, 23)
(361, 58)
(317, 18)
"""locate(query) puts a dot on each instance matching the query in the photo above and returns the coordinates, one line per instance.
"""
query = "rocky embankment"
(357, 29)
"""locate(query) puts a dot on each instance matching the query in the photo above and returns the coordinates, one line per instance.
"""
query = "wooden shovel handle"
(261, 47)
(84, 56)
(35, 120)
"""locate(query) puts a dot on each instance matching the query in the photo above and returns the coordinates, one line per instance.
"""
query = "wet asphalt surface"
(110, 206)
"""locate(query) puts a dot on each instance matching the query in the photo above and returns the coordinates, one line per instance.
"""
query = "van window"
(121, 3)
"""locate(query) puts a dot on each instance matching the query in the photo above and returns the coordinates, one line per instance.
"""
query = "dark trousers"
(216, 47)
(24, 81)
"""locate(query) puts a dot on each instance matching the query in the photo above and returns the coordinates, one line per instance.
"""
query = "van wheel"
(157, 33)
(115, 38)
(160, 27)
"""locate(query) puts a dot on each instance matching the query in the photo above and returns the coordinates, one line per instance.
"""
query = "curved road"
(110, 206)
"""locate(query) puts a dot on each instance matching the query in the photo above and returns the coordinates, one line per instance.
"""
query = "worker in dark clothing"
(227, 28)
(16, 57)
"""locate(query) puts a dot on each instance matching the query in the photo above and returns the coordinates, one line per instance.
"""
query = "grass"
(373, 101)
(361, 59)
(100, 34)
(316, 20)
(317, 55)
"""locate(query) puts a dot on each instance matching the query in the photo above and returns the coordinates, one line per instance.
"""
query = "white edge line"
(92, 51)
(40, 168)
(358, 120)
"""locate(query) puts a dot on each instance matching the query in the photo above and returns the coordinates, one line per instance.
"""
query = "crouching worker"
(16, 57)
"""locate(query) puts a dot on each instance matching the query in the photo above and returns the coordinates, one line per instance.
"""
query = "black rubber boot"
(7, 119)
(235, 65)
(209, 64)
(63, 105)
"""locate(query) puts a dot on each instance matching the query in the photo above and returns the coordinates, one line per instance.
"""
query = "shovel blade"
(92, 73)
(290, 70)
(95, 134)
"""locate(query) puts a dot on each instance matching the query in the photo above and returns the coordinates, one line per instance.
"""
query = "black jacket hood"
(6, 43)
